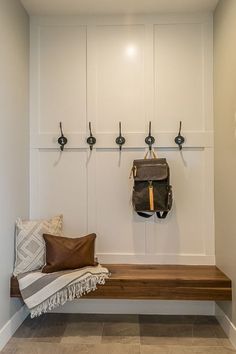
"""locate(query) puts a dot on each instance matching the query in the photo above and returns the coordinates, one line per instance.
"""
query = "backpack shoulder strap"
(162, 215)
(144, 215)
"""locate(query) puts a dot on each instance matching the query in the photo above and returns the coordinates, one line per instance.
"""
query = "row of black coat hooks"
(120, 140)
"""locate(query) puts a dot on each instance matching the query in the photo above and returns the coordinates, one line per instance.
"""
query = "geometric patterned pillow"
(30, 245)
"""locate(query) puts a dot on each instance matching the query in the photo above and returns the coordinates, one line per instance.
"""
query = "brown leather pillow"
(68, 253)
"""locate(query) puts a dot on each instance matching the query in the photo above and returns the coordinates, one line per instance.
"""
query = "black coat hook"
(179, 139)
(62, 140)
(150, 140)
(91, 139)
(120, 140)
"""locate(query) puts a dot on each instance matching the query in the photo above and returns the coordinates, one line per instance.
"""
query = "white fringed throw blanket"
(43, 292)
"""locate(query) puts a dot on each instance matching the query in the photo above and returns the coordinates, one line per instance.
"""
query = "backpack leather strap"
(144, 215)
(160, 215)
(151, 153)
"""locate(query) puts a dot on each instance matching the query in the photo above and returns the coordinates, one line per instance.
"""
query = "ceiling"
(112, 7)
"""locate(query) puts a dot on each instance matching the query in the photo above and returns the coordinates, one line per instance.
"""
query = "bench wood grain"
(159, 282)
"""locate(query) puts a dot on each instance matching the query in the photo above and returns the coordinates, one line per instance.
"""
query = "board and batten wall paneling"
(178, 73)
(118, 58)
(111, 69)
(58, 79)
(63, 188)
(119, 229)
(62, 78)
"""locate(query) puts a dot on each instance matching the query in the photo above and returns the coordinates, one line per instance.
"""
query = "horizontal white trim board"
(187, 259)
(121, 19)
(226, 324)
(162, 307)
(133, 140)
(7, 331)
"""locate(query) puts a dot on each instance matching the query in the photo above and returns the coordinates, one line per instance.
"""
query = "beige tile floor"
(119, 334)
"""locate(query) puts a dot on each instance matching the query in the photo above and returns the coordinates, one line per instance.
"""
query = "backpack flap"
(150, 170)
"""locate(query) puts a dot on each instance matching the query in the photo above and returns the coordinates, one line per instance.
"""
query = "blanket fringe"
(69, 293)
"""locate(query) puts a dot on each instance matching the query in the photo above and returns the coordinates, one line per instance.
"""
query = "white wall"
(106, 69)
(14, 141)
(225, 144)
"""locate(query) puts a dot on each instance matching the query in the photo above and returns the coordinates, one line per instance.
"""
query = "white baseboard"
(162, 307)
(226, 324)
(7, 331)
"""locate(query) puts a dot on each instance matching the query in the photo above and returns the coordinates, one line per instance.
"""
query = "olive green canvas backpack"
(152, 191)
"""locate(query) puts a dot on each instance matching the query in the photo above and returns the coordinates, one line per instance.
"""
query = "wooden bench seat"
(159, 282)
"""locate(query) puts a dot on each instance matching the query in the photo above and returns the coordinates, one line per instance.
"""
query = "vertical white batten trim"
(226, 324)
(7, 331)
